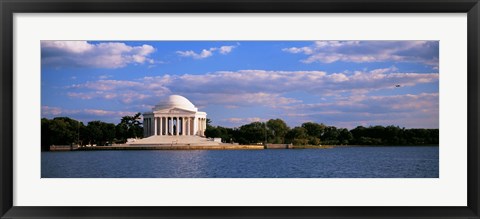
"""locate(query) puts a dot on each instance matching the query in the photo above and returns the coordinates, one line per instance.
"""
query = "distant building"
(174, 116)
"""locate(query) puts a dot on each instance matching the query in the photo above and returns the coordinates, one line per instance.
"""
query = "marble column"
(196, 126)
(184, 126)
(184, 122)
(179, 123)
(154, 125)
(176, 125)
(180, 126)
(188, 126)
(177, 132)
(166, 125)
(161, 123)
(161, 120)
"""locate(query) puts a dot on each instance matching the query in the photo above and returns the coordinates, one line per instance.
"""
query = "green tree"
(277, 130)
(251, 133)
(357, 133)
(213, 132)
(63, 131)
(100, 133)
(129, 127)
(330, 135)
(345, 136)
(392, 135)
(297, 136)
(218, 132)
(314, 129)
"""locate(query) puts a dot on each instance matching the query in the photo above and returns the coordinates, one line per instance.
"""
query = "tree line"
(67, 131)
(310, 133)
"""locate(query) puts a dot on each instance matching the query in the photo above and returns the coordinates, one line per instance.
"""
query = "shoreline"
(339, 146)
(169, 147)
(211, 147)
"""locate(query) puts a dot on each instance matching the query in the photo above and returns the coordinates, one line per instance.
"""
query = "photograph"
(240, 109)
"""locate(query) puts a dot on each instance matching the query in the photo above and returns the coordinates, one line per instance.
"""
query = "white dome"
(175, 101)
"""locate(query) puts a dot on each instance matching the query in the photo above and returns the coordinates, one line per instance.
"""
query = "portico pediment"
(175, 111)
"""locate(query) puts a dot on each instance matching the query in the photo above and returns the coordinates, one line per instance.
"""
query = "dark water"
(341, 162)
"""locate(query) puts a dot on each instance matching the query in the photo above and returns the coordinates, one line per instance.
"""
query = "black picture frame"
(9, 7)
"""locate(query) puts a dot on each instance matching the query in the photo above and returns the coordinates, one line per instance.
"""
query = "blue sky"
(340, 83)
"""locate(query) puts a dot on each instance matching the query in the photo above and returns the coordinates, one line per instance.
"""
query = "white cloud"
(226, 49)
(409, 110)
(247, 87)
(205, 53)
(68, 46)
(243, 99)
(82, 95)
(242, 121)
(99, 112)
(107, 84)
(52, 111)
(101, 55)
(316, 82)
(85, 114)
(305, 50)
(103, 77)
(123, 96)
(425, 52)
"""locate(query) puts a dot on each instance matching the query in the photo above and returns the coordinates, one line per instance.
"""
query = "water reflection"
(345, 162)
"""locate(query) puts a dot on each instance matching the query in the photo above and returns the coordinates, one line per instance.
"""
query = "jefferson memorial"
(174, 120)
(175, 115)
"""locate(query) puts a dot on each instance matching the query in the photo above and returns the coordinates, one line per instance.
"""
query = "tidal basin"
(337, 162)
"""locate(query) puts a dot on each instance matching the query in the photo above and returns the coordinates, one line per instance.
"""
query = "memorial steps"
(192, 140)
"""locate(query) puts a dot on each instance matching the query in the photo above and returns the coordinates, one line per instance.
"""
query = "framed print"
(229, 109)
